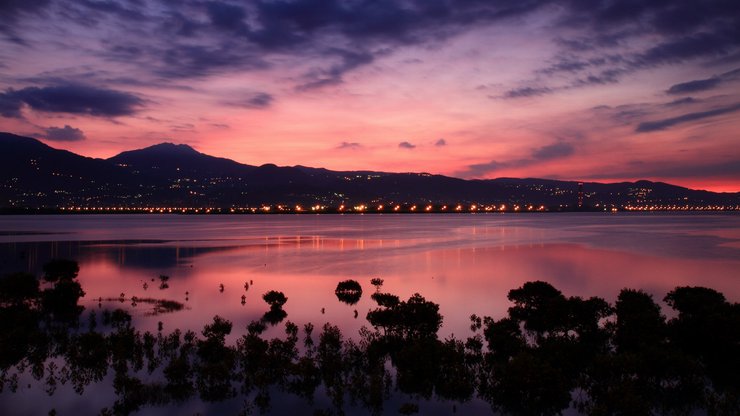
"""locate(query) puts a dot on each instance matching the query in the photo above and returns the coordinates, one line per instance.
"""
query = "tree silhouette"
(414, 318)
(708, 328)
(275, 299)
(60, 269)
(216, 361)
(18, 288)
(348, 291)
(550, 352)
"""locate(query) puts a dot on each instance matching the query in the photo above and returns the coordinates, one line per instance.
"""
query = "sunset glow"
(600, 92)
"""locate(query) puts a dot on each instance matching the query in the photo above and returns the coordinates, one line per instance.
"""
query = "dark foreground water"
(465, 264)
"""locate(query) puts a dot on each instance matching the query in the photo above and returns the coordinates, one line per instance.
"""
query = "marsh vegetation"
(551, 352)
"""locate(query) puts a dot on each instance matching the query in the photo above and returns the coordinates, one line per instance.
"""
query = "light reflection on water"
(466, 263)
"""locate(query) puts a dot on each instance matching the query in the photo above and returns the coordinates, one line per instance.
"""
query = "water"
(466, 263)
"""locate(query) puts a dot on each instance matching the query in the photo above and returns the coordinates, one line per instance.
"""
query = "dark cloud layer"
(333, 75)
(553, 151)
(682, 101)
(680, 31)
(650, 126)
(191, 61)
(226, 16)
(674, 169)
(728, 169)
(704, 84)
(70, 98)
(12, 10)
(527, 92)
(694, 86)
(64, 134)
(196, 38)
(257, 100)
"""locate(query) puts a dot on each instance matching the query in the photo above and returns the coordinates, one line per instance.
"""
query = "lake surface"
(466, 263)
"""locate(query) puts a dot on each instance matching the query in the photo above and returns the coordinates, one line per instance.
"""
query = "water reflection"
(463, 264)
(464, 261)
(548, 353)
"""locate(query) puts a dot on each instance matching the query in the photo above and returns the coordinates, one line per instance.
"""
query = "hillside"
(35, 175)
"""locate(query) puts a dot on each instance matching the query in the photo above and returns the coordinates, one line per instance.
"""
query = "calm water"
(465, 263)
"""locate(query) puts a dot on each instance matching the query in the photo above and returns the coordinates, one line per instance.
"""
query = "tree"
(275, 299)
(708, 329)
(18, 288)
(414, 318)
(348, 291)
(639, 321)
(60, 269)
(541, 307)
(61, 302)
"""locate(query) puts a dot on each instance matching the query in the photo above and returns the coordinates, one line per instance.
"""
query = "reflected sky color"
(597, 90)
(466, 263)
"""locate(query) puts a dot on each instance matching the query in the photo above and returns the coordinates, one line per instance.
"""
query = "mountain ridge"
(37, 175)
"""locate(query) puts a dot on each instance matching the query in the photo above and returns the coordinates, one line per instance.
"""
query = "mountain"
(35, 175)
(170, 160)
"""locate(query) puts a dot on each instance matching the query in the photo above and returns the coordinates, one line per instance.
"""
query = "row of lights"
(316, 208)
(362, 208)
(682, 207)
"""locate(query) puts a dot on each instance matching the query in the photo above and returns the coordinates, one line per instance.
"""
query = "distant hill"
(168, 160)
(35, 175)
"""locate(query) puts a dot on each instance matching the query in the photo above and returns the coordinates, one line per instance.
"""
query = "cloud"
(566, 65)
(257, 100)
(650, 126)
(730, 169)
(687, 47)
(226, 16)
(674, 169)
(72, 99)
(440, 143)
(12, 10)
(333, 75)
(703, 84)
(193, 61)
(557, 150)
(553, 151)
(682, 101)
(64, 134)
(477, 170)
(9, 106)
(349, 145)
(606, 47)
(527, 92)
(112, 8)
(596, 42)
(406, 145)
(694, 86)
(196, 38)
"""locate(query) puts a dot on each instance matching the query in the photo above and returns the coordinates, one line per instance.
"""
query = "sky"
(592, 90)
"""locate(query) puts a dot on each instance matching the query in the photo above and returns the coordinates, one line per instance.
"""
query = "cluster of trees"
(349, 291)
(624, 358)
(550, 353)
